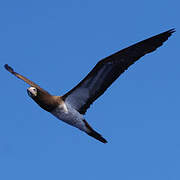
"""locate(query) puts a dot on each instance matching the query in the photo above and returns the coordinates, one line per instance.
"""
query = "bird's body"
(69, 115)
(72, 117)
(72, 106)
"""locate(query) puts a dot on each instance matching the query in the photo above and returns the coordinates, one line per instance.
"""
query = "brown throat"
(47, 101)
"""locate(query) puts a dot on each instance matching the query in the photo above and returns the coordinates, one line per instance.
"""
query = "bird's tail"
(93, 133)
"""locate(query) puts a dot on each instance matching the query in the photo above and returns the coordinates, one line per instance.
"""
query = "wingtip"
(172, 30)
(8, 68)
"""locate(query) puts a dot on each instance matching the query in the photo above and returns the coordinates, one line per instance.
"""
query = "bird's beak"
(29, 92)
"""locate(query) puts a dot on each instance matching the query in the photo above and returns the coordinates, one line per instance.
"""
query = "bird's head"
(32, 92)
(42, 98)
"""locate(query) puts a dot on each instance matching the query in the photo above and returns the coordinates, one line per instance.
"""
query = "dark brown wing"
(108, 70)
(11, 70)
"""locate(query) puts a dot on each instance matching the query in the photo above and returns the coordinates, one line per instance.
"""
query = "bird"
(72, 106)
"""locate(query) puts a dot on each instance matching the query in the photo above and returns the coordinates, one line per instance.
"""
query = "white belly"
(70, 116)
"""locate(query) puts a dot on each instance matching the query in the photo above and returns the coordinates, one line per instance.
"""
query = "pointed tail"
(93, 133)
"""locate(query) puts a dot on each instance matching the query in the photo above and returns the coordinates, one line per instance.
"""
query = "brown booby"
(72, 106)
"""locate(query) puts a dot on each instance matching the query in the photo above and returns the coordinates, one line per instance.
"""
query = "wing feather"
(11, 70)
(108, 70)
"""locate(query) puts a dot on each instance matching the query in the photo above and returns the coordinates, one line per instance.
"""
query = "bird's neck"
(48, 102)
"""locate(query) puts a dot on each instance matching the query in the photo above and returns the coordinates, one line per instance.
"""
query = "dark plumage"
(71, 107)
(114, 66)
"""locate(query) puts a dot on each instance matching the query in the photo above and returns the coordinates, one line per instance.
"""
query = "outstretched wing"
(11, 70)
(108, 70)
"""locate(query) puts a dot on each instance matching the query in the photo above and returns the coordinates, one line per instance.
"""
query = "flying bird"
(72, 106)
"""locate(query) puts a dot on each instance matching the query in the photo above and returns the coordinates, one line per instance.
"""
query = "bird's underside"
(71, 107)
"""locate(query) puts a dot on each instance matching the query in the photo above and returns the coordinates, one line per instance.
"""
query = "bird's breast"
(61, 111)
(69, 115)
(63, 108)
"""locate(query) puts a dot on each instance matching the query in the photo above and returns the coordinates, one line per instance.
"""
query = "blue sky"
(56, 43)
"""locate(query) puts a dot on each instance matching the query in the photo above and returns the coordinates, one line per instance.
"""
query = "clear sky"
(56, 43)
